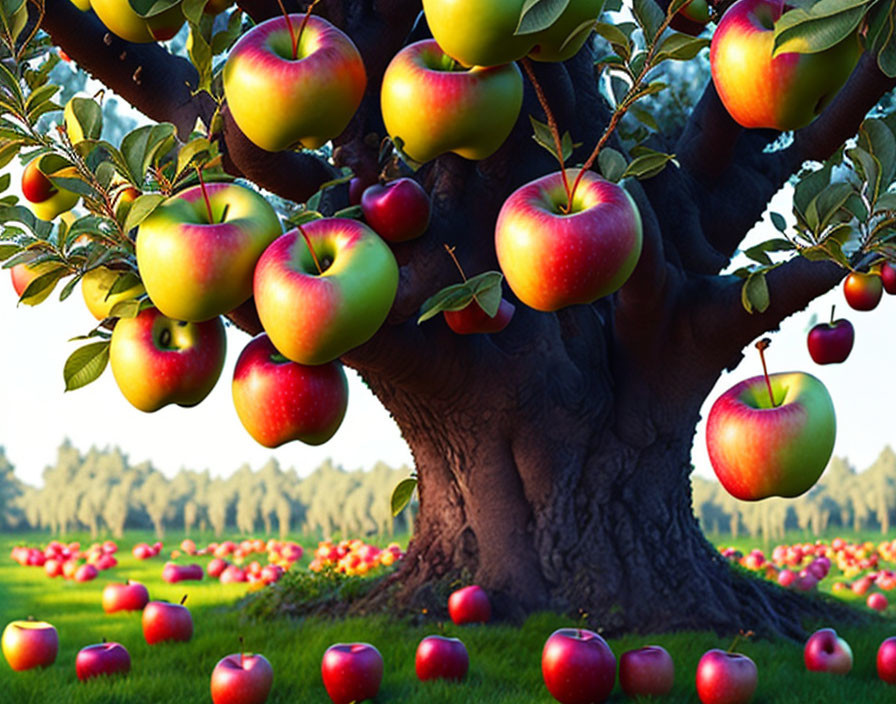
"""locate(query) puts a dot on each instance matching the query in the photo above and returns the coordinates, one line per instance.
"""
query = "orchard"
(511, 220)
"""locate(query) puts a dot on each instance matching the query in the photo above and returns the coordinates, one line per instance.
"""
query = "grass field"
(504, 660)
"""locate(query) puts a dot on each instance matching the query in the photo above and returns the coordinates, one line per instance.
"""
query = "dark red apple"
(131, 596)
(646, 671)
(469, 605)
(886, 661)
(831, 343)
(398, 211)
(826, 652)
(473, 319)
(351, 672)
(243, 678)
(164, 621)
(578, 666)
(441, 658)
(888, 277)
(215, 567)
(102, 659)
(726, 678)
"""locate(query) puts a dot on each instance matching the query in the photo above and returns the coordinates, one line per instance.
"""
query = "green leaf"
(649, 16)
(140, 147)
(824, 206)
(190, 151)
(151, 8)
(485, 288)
(868, 168)
(754, 293)
(881, 36)
(825, 24)
(69, 287)
(142, 207)
(353, 211)
(620, 42)
(886, 201)
(611, 164)
(758, 255)
(538, 15)
(778, 221)
(810, 186)
(401, 495)
(679, 47)
(224, 39)
(647, 165)
(85, 365)
(42, 286)
(129, 308)
(193, 10)
(876, 138)
(89, 116)
(576, 35)
(125, 281)
(644, 117)
(857, 207)
(7, 250)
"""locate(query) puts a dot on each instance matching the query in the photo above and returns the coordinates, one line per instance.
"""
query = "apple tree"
(552, 450)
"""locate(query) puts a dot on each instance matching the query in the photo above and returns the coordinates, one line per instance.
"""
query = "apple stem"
(833, 308)
(295, 46)
(555, 131)
(224, 212)
(743, 635)
(450, 251)
(311, 249)
(242, 649)
(208, 203)
(183, 599)
(292, 32)
(762, 345)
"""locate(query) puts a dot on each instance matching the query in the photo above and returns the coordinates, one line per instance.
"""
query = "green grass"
(504, 660)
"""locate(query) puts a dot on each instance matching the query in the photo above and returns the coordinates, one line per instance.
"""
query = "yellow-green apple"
(196, 267)
(480, 33)
(314, 316)
(472, 319)
(398, 210)
(46, 200)
(351, 672)
(759, 448)
(82, 5)
(692, 18)
(469, 605)
(863, 291)
(95, 287)
(280, 98)
(886, 661)
(468, 111)
(826, 652)
(28, 644)
(123, 21)
(24, 273)
(242, 678)
(156, 360)
(278, 400)
(130, 596)
(647, 671)
(831, 343)
(102, 659)
(552, 259)
(164, 621)
(726, 678)
(888, 277)
(785, 92)
(578, 666)
(441, 658)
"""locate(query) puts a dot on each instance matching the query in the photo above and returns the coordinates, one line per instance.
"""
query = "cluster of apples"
(354, 557)
(144, 551)
(69, 561)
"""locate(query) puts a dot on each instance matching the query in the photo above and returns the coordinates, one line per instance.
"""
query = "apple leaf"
(810, 186)
(644, 117)
(485, 288)
(815, 29)
(142, 207)
(125, 309)
(649, 16)
(126, 280)
(151, 8)
(611, 164)
(868, 168)
(585, 27)
(778, 221)
(886, 202)
(855, 205)
(191, 152)
(85, 365)
(7, 250)
(401, 495)
(89, 116)
(618, 39)
(881, 36)
(69, 287)
(538, 15)
(141, 147)
(192, 10)
(42, 286)
(353, 212)
(224, 39)
(876, 138)
(647, 165)
(754, 294)
(826, 204)
(679, 47)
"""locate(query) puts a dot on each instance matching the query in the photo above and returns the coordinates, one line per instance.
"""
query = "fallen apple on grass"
(102, 659)
(28, 644)
(130, 596)
(242, 678)
(726, 678)
(351, 672)
(441, 658)
(469, 605)
(164, 621)
(825, 651)
(578, 666)
(647, 671)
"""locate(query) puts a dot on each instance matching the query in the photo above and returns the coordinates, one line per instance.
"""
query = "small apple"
(726, 678)
(468, 111)
(578, 666)
(863, 291)
(278, 400)
(351, 672)
(102, 659)
(831, 343)
(156, 360)
(24, 273)
(826, 652)
(280, 97)
(242, 678)
(86, 573)
(123, 21)
(95, 287)
(441, 658)
(877, 601)
(692, 18)
(473, 319)
(215, 567)
(164, 621)
(553, 259)
(888, 277)
(886, 661)
(47, 201)
(646, 671)
(398, 211)
(28, 644)
(469, 605)
(130, 596)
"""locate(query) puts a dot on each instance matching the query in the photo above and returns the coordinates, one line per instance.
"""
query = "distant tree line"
(102, 492)
(843, 498)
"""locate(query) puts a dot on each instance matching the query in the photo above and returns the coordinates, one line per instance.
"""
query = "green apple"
(95, 287)
(82, 5)
(121, 20)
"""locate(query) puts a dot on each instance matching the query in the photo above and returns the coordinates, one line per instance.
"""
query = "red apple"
(53, 567)
(46, 200)
(726, 678)
(472, 319)
(441, 658)
(173, 573)
(28, 644)
(469, 605)
(888, 277)
(646, 671)
(831, 343)
(232, 574)
(863, 291)
(552, 259)
(825, 652)
(163, 621)
(877, 601)
(886, 661)
(215, 567)
(86, 573)
(243, 678)
(351, 672)
(102, 659)
(278, 400)
(131, 596)
(578, 666)
(398, 211)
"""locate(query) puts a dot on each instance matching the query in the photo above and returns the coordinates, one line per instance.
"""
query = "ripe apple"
(692, 18)
(312, 317)
(646, 671)
(785, 92)
(280, 99)
(121, 20)
(831, 343)
(441, 658)
(278, 400)
(552, 259)
(469, 605)
(46, 200)
(53, 567)
(157, 361)
(863, 291)
(163, 621)
(242, 678)
(480, 33)
(578, 666)
(888, 277)
(173, 573)
(24, 273)
(232, 574)
(102, 659)
(473, 319)
(28, 644)
(468, 111)
(351, 672)
(215, 567)
(86, 573)
(398, 211)
(825, 652)
(877, 601)
(194, 269)
(886, 661)
(726, 678)
(758, 450)
(82, 5)
(130, 596)
(95, 287)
